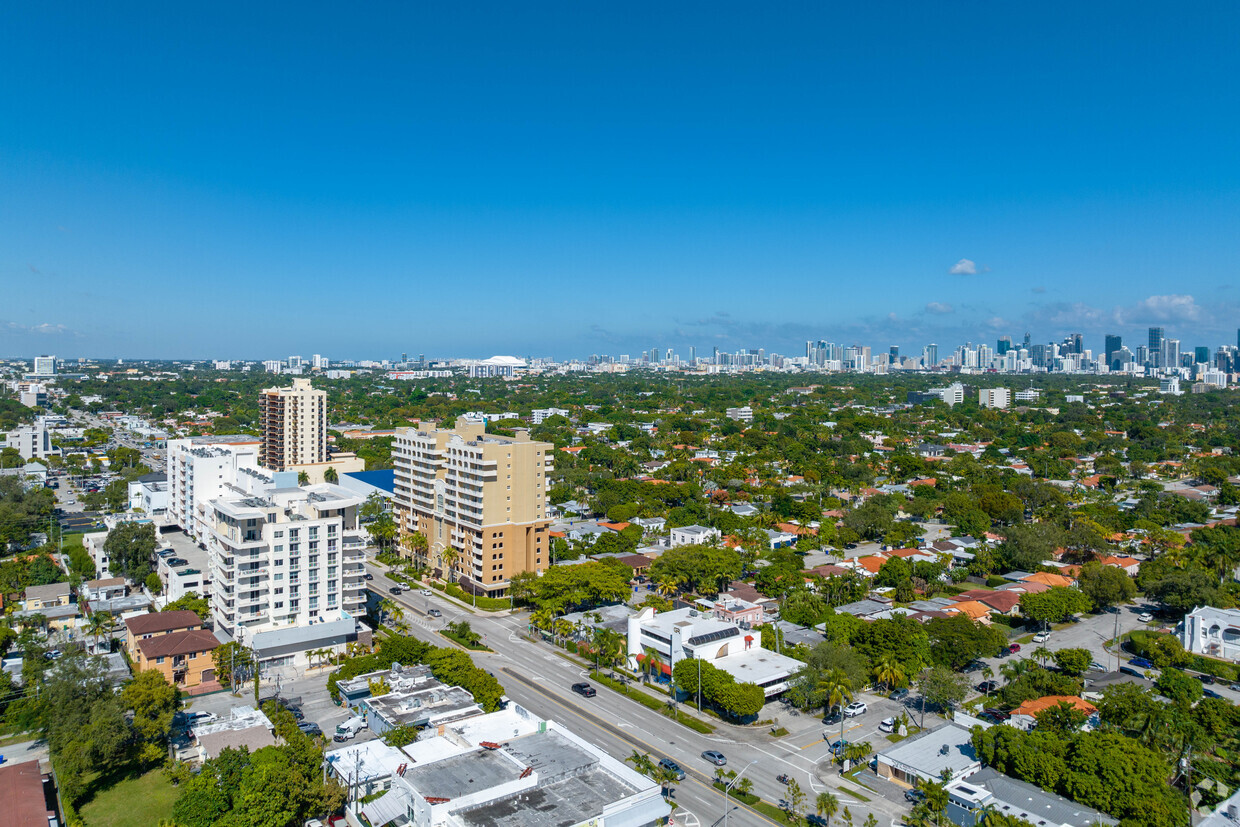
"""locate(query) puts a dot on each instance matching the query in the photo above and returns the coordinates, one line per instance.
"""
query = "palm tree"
(987, 674)
(1013, 669)
(643, 763)
(415, 543)
(562, 629)
(836, 688)
(827, 805)
(669, 586)
(652, 662)
(303, 478)
(542, 619)
(448, 558)
(330, 475)
(889, 672)
(1041, 655)
(100, 624)
(388, 608)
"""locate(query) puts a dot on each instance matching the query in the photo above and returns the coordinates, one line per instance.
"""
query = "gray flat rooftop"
(562, 804)
(550, 753)
(462, 775)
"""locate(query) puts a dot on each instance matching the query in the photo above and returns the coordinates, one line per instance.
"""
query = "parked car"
(673, 768)
(395, 589)
(1146, 617)
(1210, 693)
(584, 690)
(1095, 666)
(310, 728)
(855, 708)
(1140, 663)
(1206, 678)
(887, 725)
(996, 713)
(1014, 648)
(913, 796)
(975, 666)
(833, 717)
(899, 694)
(1128, 670)
(368, 576)
(715, 757)
(987, 687)
(1235, 687)
(1041, 637)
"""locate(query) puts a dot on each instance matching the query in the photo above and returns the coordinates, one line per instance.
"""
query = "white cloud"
(45, 328)
(997, 323)
(964, 267)
(1170, 308)
(939, 308)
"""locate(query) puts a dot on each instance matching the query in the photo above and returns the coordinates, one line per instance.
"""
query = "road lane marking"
(690, 774)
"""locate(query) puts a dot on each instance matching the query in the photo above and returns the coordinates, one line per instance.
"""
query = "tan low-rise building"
(41, 598)
(157, 624)
(183, 658)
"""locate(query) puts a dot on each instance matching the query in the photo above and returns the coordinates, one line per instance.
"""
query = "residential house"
(51, 596)
(151, 625)
(184, 658)
(694, 534)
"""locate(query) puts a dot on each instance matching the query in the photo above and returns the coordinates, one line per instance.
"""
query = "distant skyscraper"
(1155, 343)
(1074, 343)
(1113, 343)
(1202, 355)
(930, 356)
(693, 354)
(893, 354)
(45, 366)
(1005, 344)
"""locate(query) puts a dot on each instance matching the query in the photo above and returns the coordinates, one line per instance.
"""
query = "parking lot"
(316, 704)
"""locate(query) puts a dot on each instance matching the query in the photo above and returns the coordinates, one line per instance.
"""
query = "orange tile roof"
(871, 563)
(972, 608)
(1047, 579)
(1032, 708)
(616, 526)
(931, 481)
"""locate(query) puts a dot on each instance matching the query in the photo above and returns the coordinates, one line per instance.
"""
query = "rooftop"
(927, 753)
(162, 622)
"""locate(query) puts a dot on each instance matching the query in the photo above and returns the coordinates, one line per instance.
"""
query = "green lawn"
(133, 802)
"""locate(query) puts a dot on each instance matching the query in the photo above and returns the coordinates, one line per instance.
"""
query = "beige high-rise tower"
(294, 423)
(480, 500)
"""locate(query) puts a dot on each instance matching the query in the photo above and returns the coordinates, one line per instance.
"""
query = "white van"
(349, 728)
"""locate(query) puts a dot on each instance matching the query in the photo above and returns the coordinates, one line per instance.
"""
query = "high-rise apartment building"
(994, 397)
(1004, 345)
(1170, 353)
(294, 425)
(930, 356)
(199, 470)
(479, 499)
(284, 556)
(45, 366)
(1155, 345)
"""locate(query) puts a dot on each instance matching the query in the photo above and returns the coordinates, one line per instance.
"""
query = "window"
(278, 534)
(314, 532)
(278, 576)
(159, 659)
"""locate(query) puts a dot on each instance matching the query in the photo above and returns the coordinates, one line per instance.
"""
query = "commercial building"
(149, 494)
(294, 426)
(970, 800)
(995, 397)
(742, 414)
(31, 441)
(509, 767)
(689, 633)
(479, 499)
(929, 756)
(1214, 632)
(45, 366)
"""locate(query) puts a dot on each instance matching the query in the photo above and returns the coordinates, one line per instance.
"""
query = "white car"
(1146, 617)
(887, 725)
(855, 709)
(1041, 637)
(426, 592)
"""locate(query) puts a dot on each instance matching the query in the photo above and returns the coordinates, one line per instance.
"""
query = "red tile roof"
(163, 622)
(21, 790)
(178, 643)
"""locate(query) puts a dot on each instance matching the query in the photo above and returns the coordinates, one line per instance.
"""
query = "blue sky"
(250, 180)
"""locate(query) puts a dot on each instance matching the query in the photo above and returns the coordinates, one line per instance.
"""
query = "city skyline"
(592, 180)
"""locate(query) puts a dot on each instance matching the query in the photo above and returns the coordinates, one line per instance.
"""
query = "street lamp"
(728, 787)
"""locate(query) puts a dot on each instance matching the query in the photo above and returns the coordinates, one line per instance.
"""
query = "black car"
(1210, 693)
(997, 714)
(833, 717)
(368, 576)
(584, 690)
(310, 728)
(1206, 678)
(987, 687)
(914, 795)
(395, 589)
(816, 820)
